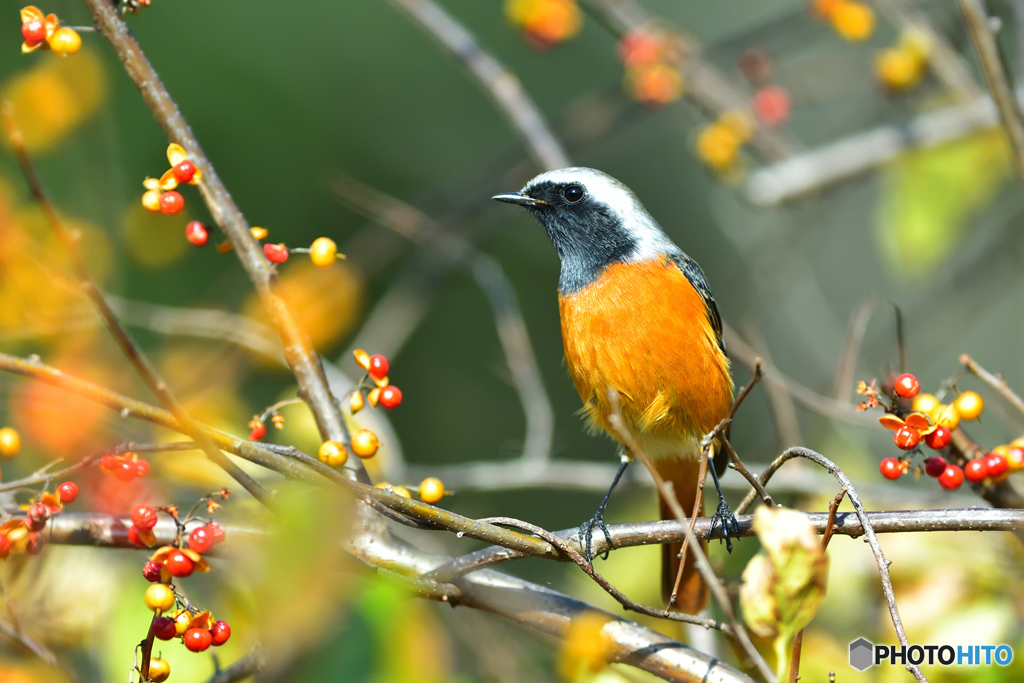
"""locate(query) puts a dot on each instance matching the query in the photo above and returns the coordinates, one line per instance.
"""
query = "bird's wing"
(696, 277)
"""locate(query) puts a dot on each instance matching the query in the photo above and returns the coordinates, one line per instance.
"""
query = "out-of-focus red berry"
(975, 470)
(216, 531)
(390, 397)
(37, 516)
(144, 517)
(178, 564)
(126, 470)
(134, 538)
(67, 492)
(151, 571)
(33, 31)
(891, 468)
(200, 540)
(184, 171)
(163, 628)
(995, 465)
(197, 234)
(171, 203)
(109, 462)
(907, 385)
(197, 639)
(35, 544)
(259, 430)
(772, 105)
(141, 468)
(5, 545)
(221, 631)
(952, 477)
(939, 438)
(906, 437)
(934, 467)
(378, 366)
(275, 253)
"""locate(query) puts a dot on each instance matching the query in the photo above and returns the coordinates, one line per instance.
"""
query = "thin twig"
(979, 26)
(843, 388)
(245, 667)
(37, 648)
(494, 77)
(995, 381)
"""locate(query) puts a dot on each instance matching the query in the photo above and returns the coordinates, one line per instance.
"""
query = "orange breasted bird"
(637, 317)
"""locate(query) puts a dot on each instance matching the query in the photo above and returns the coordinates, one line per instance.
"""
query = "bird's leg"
(723, 515)
(587, 528)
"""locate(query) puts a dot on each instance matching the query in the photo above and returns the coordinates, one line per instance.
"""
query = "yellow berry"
(362, 358)
(182, 621)
(897, 69)
(947, 416)
(969, 404)
(402, 491)
(151, 200)
(65, 41)
(718, 145)
(356, 402)
(925, 403)
(159, 598)
(159, 670)
(1017, 443)
(259, 233)
(323, 251)
(853, 21)
(364, 443)
(431, 490)
(10, 443)
(333, 453)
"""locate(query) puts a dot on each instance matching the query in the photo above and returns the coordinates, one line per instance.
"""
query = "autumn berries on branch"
(43, 31)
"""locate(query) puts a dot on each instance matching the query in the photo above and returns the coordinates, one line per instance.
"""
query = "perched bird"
(637, 317)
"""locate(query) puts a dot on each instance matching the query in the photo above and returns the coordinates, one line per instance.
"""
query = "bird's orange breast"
(643, 329)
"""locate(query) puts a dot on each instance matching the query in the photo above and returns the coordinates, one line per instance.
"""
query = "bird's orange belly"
(643, 330)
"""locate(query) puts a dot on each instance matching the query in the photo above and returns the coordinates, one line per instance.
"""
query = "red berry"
(178, 564)
(163, 628)
(907, 385)
(891, 468)
(33, 31)
(184, 171)
(275, 253)
(378, 366)
(216, 531)
(390, 397)
(952, 477)
(151, 571)
(934, 467)
(109, 462)
(37, 516)
(907, 438)
(772, 105)
(197, 234)
(259, 430)
(197, 639)
(995, 465)
(35, 544)
(171, 203)
(141, 468)
(67, 492)
(975, 470)
(144, 517)
(220, 632)
(940, 438)
(5, 545)
(126, 470)
(134, 538)
(200, 540)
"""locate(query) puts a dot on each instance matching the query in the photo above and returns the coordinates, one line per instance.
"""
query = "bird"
(637, 317)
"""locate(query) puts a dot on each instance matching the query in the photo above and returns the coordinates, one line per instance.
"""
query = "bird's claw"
(730, 525)
(587, 536)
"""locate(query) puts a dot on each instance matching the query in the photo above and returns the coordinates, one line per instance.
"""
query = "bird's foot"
(730, 525)
(587, 535)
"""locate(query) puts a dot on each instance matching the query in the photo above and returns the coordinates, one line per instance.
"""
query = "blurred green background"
(286, 99)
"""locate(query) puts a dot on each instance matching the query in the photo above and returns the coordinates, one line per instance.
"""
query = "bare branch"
(994, 381)
(245, 667)
(44, 653)
(858, 325)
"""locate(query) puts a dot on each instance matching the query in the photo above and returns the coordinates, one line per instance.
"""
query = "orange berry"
(654, 84)
(151, 200)
(897, 69)
(365, 443)
(259, 233)
(356, 402)
(431, 490)
(10, 443)
(65, 41)
(947, 416)
(826, 9)
(159, 670)
(323, 251)
(182, 621)
(553, 21)
(925, 403)
(362, 359)
(639, 48)
(402, 491)
(332, 454)
(969, 404)
(718, 146)
(854, 21)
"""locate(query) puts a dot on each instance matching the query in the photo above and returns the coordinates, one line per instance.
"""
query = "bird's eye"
(572, 193)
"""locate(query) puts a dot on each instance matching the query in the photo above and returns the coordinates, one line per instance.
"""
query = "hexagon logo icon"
(861, 654)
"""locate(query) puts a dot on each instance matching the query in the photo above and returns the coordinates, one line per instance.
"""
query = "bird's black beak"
(519, 198)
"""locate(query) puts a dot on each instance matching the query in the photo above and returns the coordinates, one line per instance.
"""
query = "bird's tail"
(692, 594)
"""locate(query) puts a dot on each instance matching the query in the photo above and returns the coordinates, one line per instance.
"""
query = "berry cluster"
(651, 58)
(545, 23)
(22, 534)
(126, 467)
(931, 421)
(431, 490)
(42, 31)
(174, 616)
(852, 20)
(161, 195)
(902, 67)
